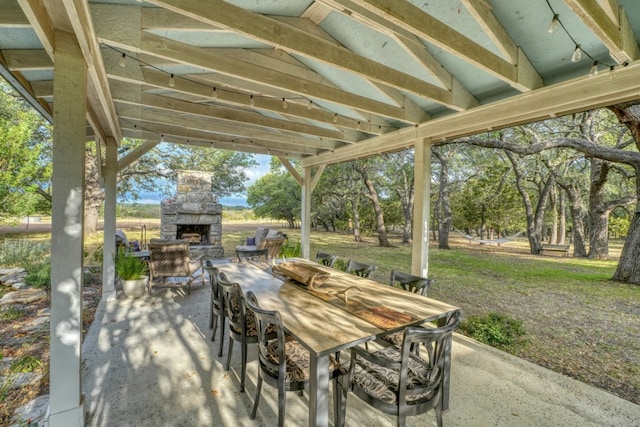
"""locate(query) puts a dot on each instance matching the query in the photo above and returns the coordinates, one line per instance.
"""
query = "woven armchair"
(170, 262)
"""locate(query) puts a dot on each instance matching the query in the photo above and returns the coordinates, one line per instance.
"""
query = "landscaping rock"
(33, 412)
(9, 276)
(19, 285)
(23, 296)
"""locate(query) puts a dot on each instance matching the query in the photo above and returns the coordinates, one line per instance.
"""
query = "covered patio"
(321, 81)
(150, 362)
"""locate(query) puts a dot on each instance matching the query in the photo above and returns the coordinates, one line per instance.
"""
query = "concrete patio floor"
(150, 362)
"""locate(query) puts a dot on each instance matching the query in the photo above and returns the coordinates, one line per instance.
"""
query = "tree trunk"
(599, 221)
(629, 266)
(578, 213)
(94, 197)
(373, 196)
(562, 226)
(444, 206)
(553, 205)
(356, 221)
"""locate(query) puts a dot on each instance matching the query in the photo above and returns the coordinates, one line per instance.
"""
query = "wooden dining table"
(324, 323)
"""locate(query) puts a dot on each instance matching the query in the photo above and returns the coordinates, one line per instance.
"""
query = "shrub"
(23, 253)
(291, 250)
(494, 329)
(39, 275)
(26, 363)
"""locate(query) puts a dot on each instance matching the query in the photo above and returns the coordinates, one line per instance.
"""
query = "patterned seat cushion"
(394, 338)
(382, 383)
(298, 361)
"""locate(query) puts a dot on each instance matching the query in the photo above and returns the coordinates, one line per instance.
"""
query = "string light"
(213, 89)
(577, 54)
(554, 25)
(612, 72)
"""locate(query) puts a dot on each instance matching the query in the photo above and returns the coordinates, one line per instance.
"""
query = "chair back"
(437, 342)
(270, 333)
(360, 269)
(273, 245)
(252, 254)
(234, 305)
(326, 259)
(409, 282)
(214, 274)
(169, 258)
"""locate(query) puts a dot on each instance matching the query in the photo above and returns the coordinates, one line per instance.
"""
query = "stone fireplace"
(194, 214)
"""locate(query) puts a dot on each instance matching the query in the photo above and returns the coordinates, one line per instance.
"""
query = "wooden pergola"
(324, 81)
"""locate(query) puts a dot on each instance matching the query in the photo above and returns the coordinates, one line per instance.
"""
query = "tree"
(620, 152)
(25, 157)
(366, 169)
(276, 195)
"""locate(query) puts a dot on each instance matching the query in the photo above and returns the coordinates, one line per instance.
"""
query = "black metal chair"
(217, 313)
(326, 259)
(409, 282)
(400, 382)
(360, 269)
(242, 324)
(284, 362)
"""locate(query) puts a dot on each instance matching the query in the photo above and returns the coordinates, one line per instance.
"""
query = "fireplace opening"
(197, 234)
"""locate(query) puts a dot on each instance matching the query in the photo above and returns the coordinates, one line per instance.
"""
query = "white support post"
(421, 208)
(110, 174)
(305, 226)
(67, 229)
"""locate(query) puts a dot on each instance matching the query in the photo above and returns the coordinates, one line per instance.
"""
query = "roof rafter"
(293, 40)
(617, 35)
(416, 21)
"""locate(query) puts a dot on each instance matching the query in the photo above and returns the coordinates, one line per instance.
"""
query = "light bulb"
(335, 118)
(161, 138)
(214, 93)
(310, 105)
(172, 81)
(612, 72)
(555, 23)
(123, 60)
(577, 54)
(594, 69)
(284, 104)
(252, 101)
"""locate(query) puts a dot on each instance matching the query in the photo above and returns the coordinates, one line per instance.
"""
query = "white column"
(67, 229)
(421, 208)
(305, 214)
(110, 174)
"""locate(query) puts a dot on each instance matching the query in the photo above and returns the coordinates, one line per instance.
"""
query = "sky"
(237, 200)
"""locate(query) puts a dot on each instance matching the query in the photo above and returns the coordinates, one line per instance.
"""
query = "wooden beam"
(127, 94)
(414, 20)
(12, 15)
(576, 95)
(292, 170)
(616, 35)
(293, 40)
(412, 45)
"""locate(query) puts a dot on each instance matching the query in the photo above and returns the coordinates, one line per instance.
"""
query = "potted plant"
(132, 272)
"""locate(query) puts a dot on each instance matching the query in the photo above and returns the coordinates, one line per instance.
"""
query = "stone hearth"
(194, 213)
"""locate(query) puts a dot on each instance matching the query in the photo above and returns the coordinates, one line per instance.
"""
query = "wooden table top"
(326, 323)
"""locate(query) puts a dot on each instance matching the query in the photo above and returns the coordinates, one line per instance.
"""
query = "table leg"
(319, 391)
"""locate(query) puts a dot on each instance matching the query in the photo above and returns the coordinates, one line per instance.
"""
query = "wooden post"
(67, 230)
(110, 174)
(421, 208)
(305, 226)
